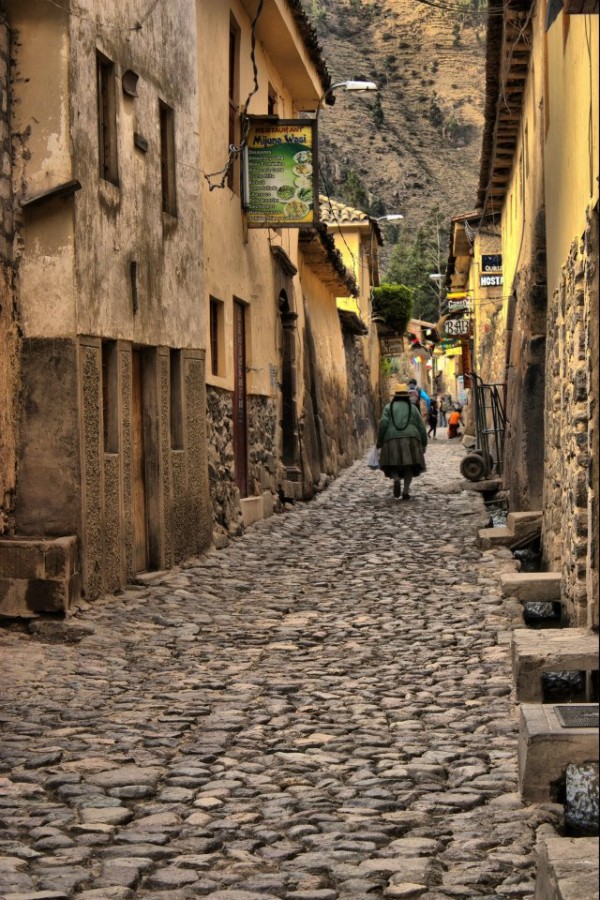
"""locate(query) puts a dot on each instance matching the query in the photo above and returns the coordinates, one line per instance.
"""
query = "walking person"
(432, 417)
(402, 439)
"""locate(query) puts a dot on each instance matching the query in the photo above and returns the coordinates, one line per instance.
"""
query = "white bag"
(373, 460)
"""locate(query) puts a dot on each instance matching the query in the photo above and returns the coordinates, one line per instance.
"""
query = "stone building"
(539, 174)
(106, 474)
(281, 364)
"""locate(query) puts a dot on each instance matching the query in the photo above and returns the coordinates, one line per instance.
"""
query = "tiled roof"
(335, 213)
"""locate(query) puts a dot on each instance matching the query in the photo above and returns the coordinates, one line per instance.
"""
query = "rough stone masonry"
(322, 710)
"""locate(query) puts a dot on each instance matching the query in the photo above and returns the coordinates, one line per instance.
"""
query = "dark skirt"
(402, 456)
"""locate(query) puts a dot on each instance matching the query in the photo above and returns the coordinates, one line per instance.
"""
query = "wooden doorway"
(240, 401)
(140, 504)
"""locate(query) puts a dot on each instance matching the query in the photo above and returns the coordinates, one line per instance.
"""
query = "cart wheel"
(472, 467)
(486, 457)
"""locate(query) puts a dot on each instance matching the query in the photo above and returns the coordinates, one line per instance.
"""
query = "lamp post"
(360, 87)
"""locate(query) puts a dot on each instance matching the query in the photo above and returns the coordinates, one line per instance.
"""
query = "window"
(217, 336)
(110, 393)
(107, 119)
(167, 159)
(234, 91)
(176, 376)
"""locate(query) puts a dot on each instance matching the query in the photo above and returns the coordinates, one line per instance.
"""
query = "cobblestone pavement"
(322, 710)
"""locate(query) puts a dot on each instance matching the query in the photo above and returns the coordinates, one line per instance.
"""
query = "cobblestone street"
(322, 710)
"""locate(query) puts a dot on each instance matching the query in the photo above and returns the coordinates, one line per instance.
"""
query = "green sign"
(280, 173)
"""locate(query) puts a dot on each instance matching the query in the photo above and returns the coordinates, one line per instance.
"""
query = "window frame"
(168, 167)
(106, 85)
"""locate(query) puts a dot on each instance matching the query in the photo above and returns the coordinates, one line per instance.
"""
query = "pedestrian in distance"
(432, 417)
(418, 395)
(402, 440)
(445, 406)
(454, 420)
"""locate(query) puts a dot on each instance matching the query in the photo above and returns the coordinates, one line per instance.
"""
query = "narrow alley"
(322, 710)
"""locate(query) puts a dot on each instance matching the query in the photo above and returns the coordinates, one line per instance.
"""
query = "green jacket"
(390, 427)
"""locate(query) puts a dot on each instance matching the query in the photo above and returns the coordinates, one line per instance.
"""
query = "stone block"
(488, 538)
(567, 868)
(550, 650)
(546, 748)
(532, 587)
(38, 575)
(524, 524)
(252, 510)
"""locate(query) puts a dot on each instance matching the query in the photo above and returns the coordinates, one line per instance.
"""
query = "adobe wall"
(570, 524)
(9, 334)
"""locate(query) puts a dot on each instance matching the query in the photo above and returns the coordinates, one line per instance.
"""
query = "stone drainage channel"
(322, 710)
(580, 793)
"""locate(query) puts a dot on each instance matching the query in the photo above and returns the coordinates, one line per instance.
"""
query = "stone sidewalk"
(322, 710)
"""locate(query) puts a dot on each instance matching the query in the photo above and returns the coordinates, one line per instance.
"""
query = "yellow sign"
(280, 173)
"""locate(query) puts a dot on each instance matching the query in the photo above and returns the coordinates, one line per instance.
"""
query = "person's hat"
(401, 390)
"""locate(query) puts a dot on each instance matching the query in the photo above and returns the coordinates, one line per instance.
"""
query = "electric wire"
(237, 150)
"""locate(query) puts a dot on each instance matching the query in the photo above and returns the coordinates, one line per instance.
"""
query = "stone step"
(488, 538)
(567, 868)
(550, 650)
(519, 527)
(532, 587)
(524, 524)
(546, 748)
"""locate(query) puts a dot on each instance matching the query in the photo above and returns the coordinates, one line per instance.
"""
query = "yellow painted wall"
(571, 149)
(525, 194)
(238, 264)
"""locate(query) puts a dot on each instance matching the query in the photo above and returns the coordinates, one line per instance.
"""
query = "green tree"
(415, 258)
(392, 304)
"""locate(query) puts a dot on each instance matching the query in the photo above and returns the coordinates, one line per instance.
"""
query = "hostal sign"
(280, 173)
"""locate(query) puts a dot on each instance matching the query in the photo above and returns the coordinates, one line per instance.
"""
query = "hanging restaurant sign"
(280, 173)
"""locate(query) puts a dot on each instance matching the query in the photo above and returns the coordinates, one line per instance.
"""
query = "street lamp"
(354, 86)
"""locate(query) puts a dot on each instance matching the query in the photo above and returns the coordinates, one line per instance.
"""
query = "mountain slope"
(415, 145)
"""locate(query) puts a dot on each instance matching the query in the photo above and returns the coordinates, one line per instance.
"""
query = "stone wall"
(570, 524)
(526, 340)
(9, 333)
(262, 444)
(224, 495)
(362, 400)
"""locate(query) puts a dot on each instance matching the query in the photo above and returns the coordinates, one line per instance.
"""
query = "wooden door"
(140, 512)
(240, 409)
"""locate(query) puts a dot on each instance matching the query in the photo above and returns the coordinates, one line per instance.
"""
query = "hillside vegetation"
(414, 146)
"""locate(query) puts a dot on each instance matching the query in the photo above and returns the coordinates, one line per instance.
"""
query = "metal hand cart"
(487, 457)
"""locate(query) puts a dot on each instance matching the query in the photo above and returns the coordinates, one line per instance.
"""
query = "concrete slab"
(546, 749)
(567, 868)
(532, 587)
(550, 650)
